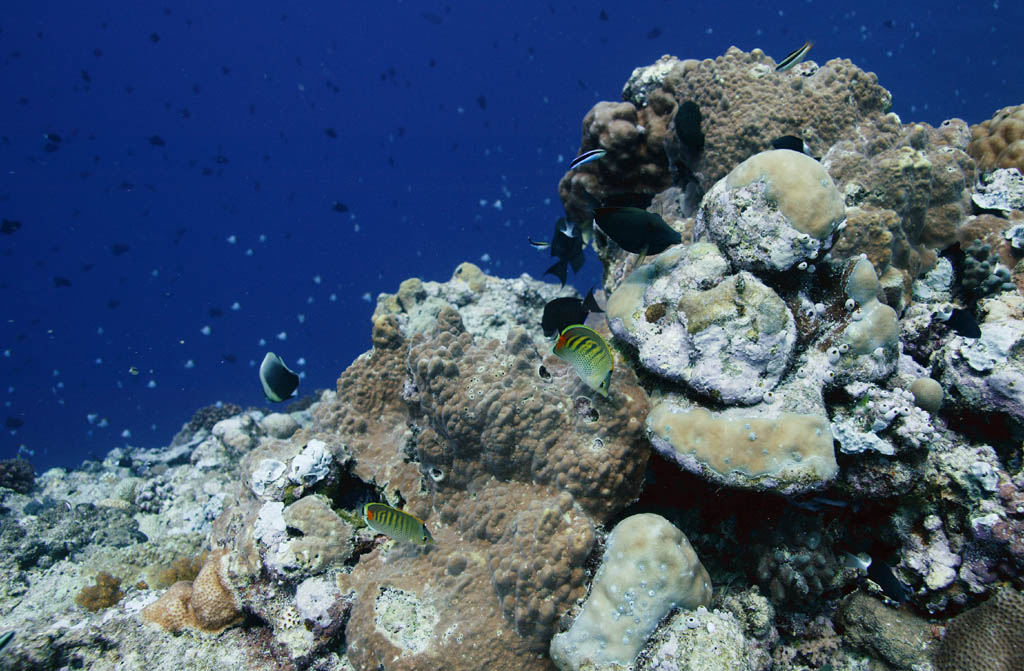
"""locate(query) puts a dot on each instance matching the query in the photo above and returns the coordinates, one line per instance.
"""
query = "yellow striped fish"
(397, 524)
(588, 353)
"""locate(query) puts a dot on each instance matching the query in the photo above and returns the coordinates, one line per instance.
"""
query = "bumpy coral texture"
(495, 414)
(634, 136)
(104, 594)
(999, 142)
(745, 104)
(208, 603)
(514, 461)
(987, 638)
(919, 175)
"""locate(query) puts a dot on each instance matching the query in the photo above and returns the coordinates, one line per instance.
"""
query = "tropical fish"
(687, 122)
(397, 524)
(879, 573)
(567, 246)
(794, 57)
(279, 381)
(587, 157)
(588, 353)
(791, 142)
(566, 311)
(964, 323)
(5, 639)
(634, 229)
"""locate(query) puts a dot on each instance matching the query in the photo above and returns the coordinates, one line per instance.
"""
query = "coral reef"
(999, 141)
(104, 594)
(17, 474)
(828, 434)
(987, 637)
(648, 569)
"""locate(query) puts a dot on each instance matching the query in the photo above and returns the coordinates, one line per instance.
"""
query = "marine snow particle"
(205, 330)
(232, 239)
(151, 384)
(283, 335)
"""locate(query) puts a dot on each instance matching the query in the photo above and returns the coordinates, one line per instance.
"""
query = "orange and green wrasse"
(397, 524)
(589, 354)
(794, 57)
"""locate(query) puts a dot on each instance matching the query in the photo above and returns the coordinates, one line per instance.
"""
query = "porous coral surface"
(835, 411)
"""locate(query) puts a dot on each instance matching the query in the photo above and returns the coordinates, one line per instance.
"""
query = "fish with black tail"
(279, 382)
(560, 313)
(567, 246)
(635, 230)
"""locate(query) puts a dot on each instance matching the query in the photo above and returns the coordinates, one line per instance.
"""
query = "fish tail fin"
(577, 261)
(559, 270)
(590, 303)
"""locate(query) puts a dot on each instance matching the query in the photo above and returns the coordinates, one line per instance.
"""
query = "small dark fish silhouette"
(561, 313)
(964, 323)
(119, 248)
(9, 226)
(60, 282)
(157, 141)
(339, 207)
(331, 133)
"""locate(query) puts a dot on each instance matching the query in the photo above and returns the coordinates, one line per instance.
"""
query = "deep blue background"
(439, 111)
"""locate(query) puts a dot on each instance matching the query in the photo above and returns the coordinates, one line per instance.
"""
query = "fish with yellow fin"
(396, 524)
(586, 351)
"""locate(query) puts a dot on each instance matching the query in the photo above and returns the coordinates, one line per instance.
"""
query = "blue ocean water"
(188, 185)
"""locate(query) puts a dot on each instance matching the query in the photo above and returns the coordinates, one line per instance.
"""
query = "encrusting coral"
(990, 637)
(104, 594)
(999, 141)
(208, 603)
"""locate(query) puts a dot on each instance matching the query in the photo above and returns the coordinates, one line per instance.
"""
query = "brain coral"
(999, 142)
(987, 638)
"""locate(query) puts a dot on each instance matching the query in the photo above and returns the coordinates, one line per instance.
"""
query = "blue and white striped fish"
(587, 157)
(794, 57)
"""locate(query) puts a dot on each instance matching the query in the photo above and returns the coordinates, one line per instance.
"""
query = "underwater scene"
(536, 336)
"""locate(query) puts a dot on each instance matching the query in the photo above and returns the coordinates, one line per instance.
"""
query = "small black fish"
(331, 133)
(482, 102)
(791, 142)
(14, 422)
(561, 313)
(215, 312)
(883, 576)
(654, 34)
(9, 226)
(634, 229)
(52, 137)
(687, 121)
(60, 282)
(339, 207)
(279, 382)
(603, 16)
(964, 323)
(567, 246)
(119, 248)
(154, 37)
(157, 141)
